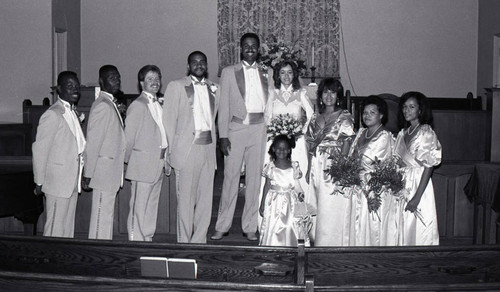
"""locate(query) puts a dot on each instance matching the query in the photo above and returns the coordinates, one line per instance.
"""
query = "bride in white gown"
(289, 98)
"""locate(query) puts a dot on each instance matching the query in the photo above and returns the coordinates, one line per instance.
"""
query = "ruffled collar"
(287, 95)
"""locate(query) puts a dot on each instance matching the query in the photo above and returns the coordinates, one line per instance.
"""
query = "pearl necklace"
(366, 133)
(411, 132)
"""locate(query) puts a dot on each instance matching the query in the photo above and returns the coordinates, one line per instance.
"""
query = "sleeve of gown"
(311, 136)
(428, 152)
(267, 170)
(346, 129)
(381, 146)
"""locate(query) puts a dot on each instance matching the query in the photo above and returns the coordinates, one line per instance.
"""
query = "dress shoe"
(251, 236)
(218, 235)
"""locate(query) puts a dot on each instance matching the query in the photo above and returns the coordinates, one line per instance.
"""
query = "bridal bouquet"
(344, 171)
(386, 176)
(284, 124)
(275, 51)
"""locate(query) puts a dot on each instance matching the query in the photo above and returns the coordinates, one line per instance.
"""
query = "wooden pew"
(68, 264)
(16, 179)
(16, 192)
(432, 268)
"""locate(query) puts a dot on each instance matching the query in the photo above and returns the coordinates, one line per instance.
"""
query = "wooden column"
(494, 101)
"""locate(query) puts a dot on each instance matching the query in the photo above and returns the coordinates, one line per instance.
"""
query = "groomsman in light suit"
(57, 158)
(189, 119)
(145, 155)
(242, 130)
(104, 154)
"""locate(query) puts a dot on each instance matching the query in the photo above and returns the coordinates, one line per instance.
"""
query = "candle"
(312, 55)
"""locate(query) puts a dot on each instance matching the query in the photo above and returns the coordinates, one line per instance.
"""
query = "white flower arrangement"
(275, 51)
(284, 124)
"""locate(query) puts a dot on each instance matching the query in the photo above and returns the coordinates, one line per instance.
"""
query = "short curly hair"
(290, 141)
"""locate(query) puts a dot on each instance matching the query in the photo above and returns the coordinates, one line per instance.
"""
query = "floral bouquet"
(385, 176)
(344, 171)
(284, 124)
(275, 51)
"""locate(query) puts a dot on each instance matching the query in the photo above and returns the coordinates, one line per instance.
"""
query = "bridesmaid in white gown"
(329, 132)
(289, 98)
(420, 151)
(371, 143)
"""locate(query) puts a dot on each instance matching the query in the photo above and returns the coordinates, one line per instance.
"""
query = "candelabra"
(313, 73)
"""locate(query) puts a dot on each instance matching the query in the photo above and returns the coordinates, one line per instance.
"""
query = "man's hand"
(225, 146)
(38, 190)
(167, 169)
(85, 184)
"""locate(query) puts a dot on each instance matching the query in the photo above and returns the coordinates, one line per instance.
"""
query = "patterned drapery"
(310, 23)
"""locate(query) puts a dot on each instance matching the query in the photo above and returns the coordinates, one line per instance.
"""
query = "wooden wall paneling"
(165, 223)
(32, 114)
(463, 208)
(15, 139)
(123, 201)
(448, 180)
(440, 183)
(82, 219)
(464, 135)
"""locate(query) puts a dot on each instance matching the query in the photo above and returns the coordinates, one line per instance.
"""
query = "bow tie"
(196, 82)
(250, 66)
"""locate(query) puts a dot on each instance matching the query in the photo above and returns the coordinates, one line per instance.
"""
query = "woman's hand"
(261, 209)
(413, 204)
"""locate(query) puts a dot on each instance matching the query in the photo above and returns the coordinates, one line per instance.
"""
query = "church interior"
(447, 49)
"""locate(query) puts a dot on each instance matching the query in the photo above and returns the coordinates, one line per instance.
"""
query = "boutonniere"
(212, 87)
(80, 116)
(263, 68)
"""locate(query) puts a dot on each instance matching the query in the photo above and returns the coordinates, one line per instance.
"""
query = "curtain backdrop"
(310, 23)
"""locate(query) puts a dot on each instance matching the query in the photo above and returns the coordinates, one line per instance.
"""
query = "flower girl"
(285, 218)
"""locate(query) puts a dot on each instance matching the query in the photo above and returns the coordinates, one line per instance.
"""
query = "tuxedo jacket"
(232, 96)
(55, 153)
(143, 138)
(105, 150)
(178, 118)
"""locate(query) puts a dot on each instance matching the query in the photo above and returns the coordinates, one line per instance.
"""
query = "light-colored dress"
(333, 226)
(297, 104)
(423, 150)
(378, 228)
(285, 218)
